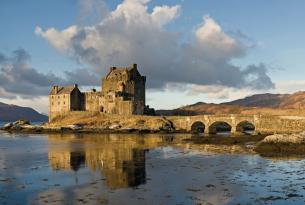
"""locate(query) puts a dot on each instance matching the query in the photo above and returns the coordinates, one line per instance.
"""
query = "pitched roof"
(63, 90)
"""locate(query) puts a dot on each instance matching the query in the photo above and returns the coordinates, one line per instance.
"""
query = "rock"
(115, 126)
(28, 126)
(7, 125)
(282, 144)
(17, 127)
(285, 138)
(166, 127)
(75, 127)
(21, 122)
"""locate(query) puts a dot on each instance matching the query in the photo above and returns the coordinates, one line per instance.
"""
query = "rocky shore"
(24, 126)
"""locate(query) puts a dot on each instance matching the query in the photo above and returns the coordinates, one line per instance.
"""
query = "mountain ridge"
(247, 104)
(14, 112)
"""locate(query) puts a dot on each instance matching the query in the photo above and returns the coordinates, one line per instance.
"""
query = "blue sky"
(273, 31)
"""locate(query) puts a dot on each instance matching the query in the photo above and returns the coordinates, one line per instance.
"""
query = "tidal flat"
(142, 169)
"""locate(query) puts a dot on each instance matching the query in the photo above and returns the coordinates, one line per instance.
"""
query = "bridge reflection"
(120, 159)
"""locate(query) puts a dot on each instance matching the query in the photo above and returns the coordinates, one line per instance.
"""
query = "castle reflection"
(120, 158)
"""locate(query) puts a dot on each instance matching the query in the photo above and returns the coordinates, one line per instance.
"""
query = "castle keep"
(122, 92)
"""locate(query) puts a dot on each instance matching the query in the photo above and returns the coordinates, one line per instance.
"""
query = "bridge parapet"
(208, 121)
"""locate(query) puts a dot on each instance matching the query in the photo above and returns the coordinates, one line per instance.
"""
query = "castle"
(122, 92)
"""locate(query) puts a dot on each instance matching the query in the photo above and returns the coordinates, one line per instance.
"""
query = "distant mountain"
(249, 104)
(260, 100)
(14, 112)
(293, 101)
(281, 101)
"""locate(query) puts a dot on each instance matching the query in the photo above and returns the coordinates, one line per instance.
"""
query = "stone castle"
(122, 92)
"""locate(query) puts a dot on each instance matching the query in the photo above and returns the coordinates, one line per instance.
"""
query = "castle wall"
(76, 100)
(58, 104)
(92, 101)
(124, 107)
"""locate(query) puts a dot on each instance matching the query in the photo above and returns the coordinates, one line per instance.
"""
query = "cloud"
(18, 78)
(91, 11)
(5, 94)
(59, 39)
(220, 93)
(132, 34)
(290, 86)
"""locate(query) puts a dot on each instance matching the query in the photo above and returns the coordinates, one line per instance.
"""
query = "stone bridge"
(238, 123)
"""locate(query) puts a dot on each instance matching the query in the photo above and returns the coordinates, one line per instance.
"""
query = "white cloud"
(131, 34)
(215, 43)
(59, 39)
(162, 15)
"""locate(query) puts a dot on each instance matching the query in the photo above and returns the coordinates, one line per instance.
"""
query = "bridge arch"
(198, 127)
(245, 126)
(220, 126)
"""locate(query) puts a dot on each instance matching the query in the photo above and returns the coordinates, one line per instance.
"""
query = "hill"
(14, 112)
(260, 103)
(260, 100)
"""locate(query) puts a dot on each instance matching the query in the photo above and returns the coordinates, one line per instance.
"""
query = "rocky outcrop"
(285, 138)
(17, 125)
(282, 144)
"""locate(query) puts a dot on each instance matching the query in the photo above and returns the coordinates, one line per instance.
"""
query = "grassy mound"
(105, 121)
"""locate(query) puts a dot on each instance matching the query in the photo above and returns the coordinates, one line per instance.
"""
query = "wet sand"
(142, 169)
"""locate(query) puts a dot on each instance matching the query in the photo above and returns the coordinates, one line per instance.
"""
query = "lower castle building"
(122, 92)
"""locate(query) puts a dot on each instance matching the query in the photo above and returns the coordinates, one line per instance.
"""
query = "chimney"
(112, 68)
(135, 66)
(55, 88)
(75, 85)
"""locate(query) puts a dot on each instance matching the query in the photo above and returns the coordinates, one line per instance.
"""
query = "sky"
(190, 50)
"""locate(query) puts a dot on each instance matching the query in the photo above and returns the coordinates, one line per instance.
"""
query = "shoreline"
(250, 143)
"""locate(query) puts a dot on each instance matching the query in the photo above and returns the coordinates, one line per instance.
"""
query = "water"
(138, 169)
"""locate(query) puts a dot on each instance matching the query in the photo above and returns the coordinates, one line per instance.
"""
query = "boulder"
(21, 122)
(7, 125)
